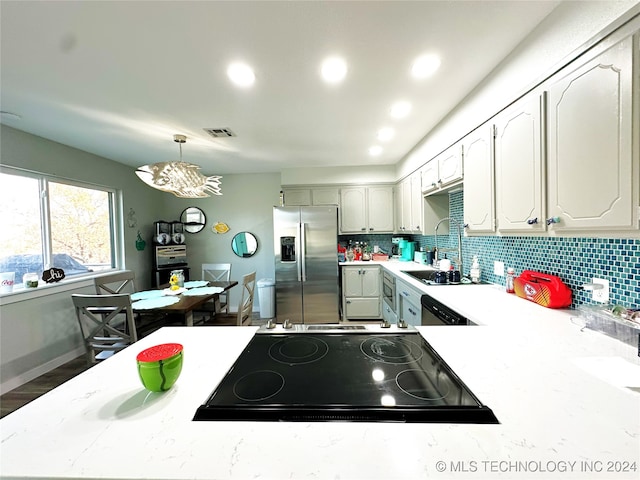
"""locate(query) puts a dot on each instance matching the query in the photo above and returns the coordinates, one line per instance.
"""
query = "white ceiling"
(119, 79)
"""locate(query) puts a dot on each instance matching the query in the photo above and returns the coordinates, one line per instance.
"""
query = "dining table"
(183, 301)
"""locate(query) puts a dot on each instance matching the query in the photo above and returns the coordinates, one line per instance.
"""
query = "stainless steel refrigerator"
(305, 242)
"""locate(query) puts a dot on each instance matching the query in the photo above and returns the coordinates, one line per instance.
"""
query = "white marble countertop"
(561, 395)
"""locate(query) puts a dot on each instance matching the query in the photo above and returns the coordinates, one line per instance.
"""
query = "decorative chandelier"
(182, 179)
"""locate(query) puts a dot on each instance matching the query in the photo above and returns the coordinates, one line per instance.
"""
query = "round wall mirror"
(193, 219)
(244, 244)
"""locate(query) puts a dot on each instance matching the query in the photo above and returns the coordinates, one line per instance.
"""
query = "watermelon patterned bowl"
(159, 366)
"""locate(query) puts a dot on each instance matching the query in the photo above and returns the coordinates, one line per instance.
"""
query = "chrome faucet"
(437, 253)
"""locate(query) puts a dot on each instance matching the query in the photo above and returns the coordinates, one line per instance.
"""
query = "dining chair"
(114, 283)
(245, 306)
(215, 272)
(106, 323)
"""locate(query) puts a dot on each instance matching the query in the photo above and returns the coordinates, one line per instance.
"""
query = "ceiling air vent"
(220, 132)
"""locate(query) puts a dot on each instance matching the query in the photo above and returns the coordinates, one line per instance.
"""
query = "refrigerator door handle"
(303, 251)
(299, 254)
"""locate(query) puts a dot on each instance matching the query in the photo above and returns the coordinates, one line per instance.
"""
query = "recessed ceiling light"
(334, 69)
(385, 134)
(425, 66)
(241, 74)
(400, 109)
(375, 150)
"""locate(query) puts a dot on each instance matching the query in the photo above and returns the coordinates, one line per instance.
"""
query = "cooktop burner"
(342, 376)
(298, 350)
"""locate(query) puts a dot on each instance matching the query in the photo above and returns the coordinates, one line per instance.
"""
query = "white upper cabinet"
(443, 171)
(416, 220)
(409, 218)
(519, 167)
(325, 196)
(297, 196)
(479, 216)
(311, 196)
(592, 170)
(366, 209)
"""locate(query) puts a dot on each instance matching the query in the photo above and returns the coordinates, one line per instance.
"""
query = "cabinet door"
(449, 166)
(405, 211)
(297, 197)
(430, 176)
(415, 185)
(380, 209)
(388, 314)
(399, 207)
(370, 281)
(353, 210)
(411, 313)
(591, 169)
(519, 168)
(479, 216)
(325, 196)
(351, 282)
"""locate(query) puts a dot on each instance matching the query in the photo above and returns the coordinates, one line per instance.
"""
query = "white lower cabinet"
(388, 314)
(361, 292)
(409, 304)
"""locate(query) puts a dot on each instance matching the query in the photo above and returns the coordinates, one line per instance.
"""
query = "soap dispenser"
(475, 270)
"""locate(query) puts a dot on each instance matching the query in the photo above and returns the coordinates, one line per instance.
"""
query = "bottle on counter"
(475, 270)
(509, 280)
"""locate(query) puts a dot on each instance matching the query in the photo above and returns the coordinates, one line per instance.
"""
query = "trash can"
(267, 297)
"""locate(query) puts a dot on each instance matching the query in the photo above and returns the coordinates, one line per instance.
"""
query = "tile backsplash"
(575, 260)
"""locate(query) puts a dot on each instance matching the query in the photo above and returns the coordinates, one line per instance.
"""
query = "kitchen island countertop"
(561, 395)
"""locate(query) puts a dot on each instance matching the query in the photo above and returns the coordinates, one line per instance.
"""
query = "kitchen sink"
(428, 277)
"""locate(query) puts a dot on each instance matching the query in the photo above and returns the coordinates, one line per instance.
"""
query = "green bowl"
(159, 366)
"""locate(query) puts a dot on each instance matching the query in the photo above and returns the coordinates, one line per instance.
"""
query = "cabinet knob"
(433, 184)
(347, 301)
(532, 221)
(553, 220)
(371, 229)
(363, 229)
(466, 225)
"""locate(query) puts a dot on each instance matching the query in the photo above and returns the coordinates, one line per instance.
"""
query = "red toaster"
(546, 290)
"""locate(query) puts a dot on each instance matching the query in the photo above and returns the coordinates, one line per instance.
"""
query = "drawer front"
(362, 307)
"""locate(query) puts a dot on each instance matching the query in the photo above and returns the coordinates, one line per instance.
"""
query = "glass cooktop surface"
(342, 377)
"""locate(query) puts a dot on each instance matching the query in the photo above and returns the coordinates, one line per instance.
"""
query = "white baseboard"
(15, 382)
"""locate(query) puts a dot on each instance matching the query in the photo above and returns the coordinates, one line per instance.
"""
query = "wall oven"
(389, 289)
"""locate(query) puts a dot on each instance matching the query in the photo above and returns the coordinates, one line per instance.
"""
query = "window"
(49, 222)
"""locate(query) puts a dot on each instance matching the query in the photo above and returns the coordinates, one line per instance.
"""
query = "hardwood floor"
(23, 394)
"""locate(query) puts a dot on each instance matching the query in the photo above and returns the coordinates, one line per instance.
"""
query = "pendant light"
(183, 179)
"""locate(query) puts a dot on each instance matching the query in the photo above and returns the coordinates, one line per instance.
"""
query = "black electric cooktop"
(342, 374)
